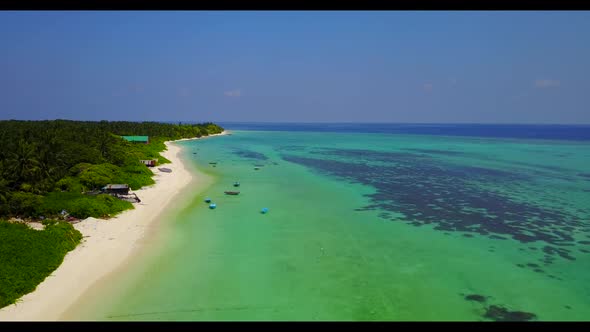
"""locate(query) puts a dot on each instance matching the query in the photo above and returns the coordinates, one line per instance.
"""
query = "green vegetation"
(49, 166)
(28, 256)
(82, 206)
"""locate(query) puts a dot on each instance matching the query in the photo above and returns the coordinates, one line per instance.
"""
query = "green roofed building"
(140, 139)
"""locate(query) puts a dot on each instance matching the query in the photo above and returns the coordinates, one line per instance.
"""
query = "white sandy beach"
(106, 246)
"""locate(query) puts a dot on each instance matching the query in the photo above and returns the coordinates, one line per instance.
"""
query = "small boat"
(256, 168)
(213, 163)
(164, 169)
(212, 206)
(264, 210)
(207, 200)
(231, 192)
(194, 153)
(236, 184)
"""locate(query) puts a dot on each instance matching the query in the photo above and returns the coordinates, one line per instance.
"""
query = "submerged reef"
(451, 197)
(475, 297)
(250, 154)
(501, 314)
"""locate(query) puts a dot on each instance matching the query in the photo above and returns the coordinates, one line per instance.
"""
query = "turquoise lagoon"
(368, 226)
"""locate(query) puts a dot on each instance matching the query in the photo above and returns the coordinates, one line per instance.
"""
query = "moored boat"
(236, 184)
(212, 206)
(231, 192)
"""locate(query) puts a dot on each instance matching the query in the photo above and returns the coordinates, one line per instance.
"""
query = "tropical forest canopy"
(47, 166)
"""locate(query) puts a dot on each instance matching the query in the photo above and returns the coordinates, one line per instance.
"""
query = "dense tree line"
(43, 163)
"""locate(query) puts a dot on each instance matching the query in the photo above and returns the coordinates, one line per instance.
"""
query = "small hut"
(149, 163)
(121, 189)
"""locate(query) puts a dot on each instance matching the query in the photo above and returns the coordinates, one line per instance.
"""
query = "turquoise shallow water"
(369, 227)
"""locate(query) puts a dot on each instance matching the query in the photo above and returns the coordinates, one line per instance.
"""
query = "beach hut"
(121, 189)
(137, 139)
(149, 163)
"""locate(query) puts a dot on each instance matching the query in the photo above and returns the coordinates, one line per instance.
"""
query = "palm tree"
(22, 163)
(3, 185)
(51, 158)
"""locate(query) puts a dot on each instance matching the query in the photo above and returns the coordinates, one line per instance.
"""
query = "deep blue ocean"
(548, 132)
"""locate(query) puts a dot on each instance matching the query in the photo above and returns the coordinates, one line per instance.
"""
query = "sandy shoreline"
(106, 245)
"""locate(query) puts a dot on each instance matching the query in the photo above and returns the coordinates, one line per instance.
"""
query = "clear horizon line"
(414, 123)
(322, 122)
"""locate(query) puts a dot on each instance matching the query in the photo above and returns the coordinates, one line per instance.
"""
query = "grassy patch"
(28, 256)
(150, 151)
(135, 175)
(82, 206)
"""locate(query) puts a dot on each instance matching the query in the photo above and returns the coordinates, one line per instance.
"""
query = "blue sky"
(341, 66)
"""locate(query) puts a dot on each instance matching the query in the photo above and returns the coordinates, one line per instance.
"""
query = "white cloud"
(545, 83)
(233, 93)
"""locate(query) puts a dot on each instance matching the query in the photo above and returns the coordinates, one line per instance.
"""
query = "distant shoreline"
(106, 246)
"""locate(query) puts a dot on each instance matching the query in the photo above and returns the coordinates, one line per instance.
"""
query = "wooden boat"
(164, 169)
(207, 200)
(256, 168)
(236, 184)
(213, 163)
(231, 192)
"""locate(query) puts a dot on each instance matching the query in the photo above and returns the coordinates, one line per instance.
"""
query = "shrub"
(97, 176)
(70, 184)
(24, 204)
(28, 256)
(82, 206)
(78, 168)
(135, 175)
